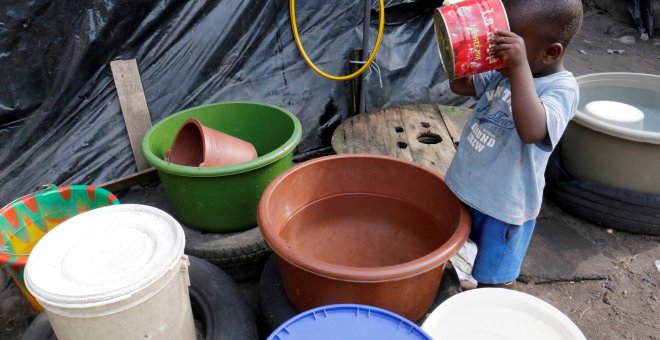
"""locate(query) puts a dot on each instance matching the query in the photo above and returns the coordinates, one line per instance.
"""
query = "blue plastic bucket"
(348, 322)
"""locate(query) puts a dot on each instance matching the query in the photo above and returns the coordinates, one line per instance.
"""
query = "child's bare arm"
(463, 86)
(526, 108)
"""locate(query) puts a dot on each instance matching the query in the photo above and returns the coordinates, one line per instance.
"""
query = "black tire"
(624, 210)
(39, 329)
(241, 255)
(216, 304)
(276, 308)
(631, 197)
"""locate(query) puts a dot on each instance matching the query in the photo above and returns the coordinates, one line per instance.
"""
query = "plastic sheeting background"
(60, 120)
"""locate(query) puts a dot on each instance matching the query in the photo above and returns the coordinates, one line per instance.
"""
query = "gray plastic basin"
(601, 152)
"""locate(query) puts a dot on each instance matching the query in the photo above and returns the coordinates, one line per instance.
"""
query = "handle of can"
(185, 263)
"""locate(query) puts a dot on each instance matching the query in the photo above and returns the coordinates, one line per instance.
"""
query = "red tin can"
(462, 31)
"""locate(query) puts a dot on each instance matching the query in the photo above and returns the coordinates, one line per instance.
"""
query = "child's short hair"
(557, 20)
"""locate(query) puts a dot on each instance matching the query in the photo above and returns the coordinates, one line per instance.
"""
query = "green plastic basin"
(224, 199)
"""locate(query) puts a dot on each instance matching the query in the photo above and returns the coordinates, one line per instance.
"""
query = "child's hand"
(510, 47)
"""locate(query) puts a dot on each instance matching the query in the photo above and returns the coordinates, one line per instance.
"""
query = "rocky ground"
(607, 282)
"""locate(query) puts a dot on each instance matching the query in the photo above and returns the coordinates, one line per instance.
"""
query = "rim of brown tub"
(401, 271)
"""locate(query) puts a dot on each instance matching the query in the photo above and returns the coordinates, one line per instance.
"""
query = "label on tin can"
(462, 32)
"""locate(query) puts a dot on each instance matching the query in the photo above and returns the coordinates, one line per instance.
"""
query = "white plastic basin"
(499, 314)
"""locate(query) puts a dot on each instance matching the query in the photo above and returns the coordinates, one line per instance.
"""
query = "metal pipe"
(355, 55)
(365, 54)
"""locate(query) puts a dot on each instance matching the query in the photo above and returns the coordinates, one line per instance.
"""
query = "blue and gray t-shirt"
(493, 171)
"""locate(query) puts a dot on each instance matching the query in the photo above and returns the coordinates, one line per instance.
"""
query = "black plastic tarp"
(60, 120)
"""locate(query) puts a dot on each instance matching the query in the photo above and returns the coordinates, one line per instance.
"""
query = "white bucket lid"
(104, 256)
(497, 313)
(616, 113)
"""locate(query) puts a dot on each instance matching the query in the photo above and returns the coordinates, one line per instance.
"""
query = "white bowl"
(616, 113)
(499, 314)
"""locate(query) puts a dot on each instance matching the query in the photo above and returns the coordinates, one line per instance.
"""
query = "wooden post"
(133, 105)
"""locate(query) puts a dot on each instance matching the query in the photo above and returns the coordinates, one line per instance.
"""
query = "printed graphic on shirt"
(492, 120)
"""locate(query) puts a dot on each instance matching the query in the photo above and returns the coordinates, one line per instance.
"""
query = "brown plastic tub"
(362, 229)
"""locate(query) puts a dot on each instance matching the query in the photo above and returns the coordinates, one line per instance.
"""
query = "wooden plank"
(133, 105)
(339, 138)
(354, 140)
(455, 119)
(365, 129)
(355, 135)
(372, 133)
(397, 143)
(377, 140)
(407, 132)
(430, 143)
(138, 178)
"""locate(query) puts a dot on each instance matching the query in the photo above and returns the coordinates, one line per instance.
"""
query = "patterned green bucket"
(27, 219)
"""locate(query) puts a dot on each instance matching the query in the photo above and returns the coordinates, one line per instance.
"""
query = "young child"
(642, 14)
(521, 113)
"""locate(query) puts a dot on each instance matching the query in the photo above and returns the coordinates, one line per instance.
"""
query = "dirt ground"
(622, 301)
(588, 53)
(612, 292)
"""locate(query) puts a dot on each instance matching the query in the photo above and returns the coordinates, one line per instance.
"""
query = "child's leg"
(501, 248)
(634, 9)
(647, 16)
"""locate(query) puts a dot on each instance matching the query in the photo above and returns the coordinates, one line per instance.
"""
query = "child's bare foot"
(467, 285)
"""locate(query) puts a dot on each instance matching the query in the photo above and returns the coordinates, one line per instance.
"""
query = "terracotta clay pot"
(198, 145)
(362, 229)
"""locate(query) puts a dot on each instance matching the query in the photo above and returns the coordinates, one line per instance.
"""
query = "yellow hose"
(372, 56)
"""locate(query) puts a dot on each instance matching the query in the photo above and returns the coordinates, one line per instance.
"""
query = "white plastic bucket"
(116, 272)
(496, 314)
